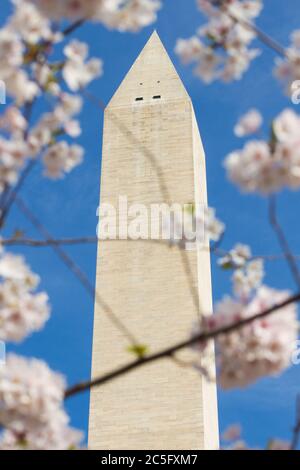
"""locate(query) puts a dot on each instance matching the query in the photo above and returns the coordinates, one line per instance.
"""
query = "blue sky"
(68, 208)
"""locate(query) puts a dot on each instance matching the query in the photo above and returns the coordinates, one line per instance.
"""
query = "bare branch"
(290, 258)
(261, 35)
(169, 352)
(81, 276)
(45, 243)
(13, 194)
(72, 27)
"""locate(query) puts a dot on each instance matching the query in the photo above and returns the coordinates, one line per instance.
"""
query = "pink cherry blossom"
(31, 410)
(61, 158)
(117, 14)
(22, 311)
(232, 433)
(263, 347)
(221, 50)
(77, 72)
(287, 70)
(267, 167)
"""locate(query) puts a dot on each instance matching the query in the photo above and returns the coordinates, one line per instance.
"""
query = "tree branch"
(169, 352)
(81, 276)
(72, 27)
(261, 35)
(288, 254)
(44, 243)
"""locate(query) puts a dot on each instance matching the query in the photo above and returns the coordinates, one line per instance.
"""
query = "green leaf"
(139, 350)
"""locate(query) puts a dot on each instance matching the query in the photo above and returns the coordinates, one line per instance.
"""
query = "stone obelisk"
(152, 153)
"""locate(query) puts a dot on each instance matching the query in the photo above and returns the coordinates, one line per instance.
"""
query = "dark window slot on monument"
(139, 99)
(156, 97)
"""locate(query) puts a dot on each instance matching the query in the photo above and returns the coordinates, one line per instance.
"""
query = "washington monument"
(152, 153)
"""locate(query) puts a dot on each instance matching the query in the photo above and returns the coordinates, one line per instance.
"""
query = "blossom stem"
(13, 194)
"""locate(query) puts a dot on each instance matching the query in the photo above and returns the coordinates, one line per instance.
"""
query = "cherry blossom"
(11, 52)
(233, 436)
(30, 24)
(29, 392)
(287, 70)
(221, 49)
(248, 124)
(236, 257)
(232, 433)
(267, 167)
(13, 154)
(130, 16)
(124, 16)
(248, 272)
(21, 87)
(248, 278)
(31, 410)
(287, 126)
(60, 120)
(56, 435)
(77, 72)
(13, 121)
(263, 347)
(61, 158)
(184, 228)
(22, 311)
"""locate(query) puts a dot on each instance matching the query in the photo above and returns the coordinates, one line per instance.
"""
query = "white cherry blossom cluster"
(263, 347)
(221, 48)
(19, 146)
(31, 408)
(77, 72)
(287, 70)
(61, 158)
(25, 41)
(24, 29)
(269, 166)
(248, 278)
(235, 258)
(130, 15)
(22, 310)
(248, 272)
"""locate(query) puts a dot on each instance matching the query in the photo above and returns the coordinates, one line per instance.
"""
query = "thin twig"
(261, 35)
(169, 352)
(81, 276)
(288, 254)
(72, 27)
(46, 243)
(13, 194)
